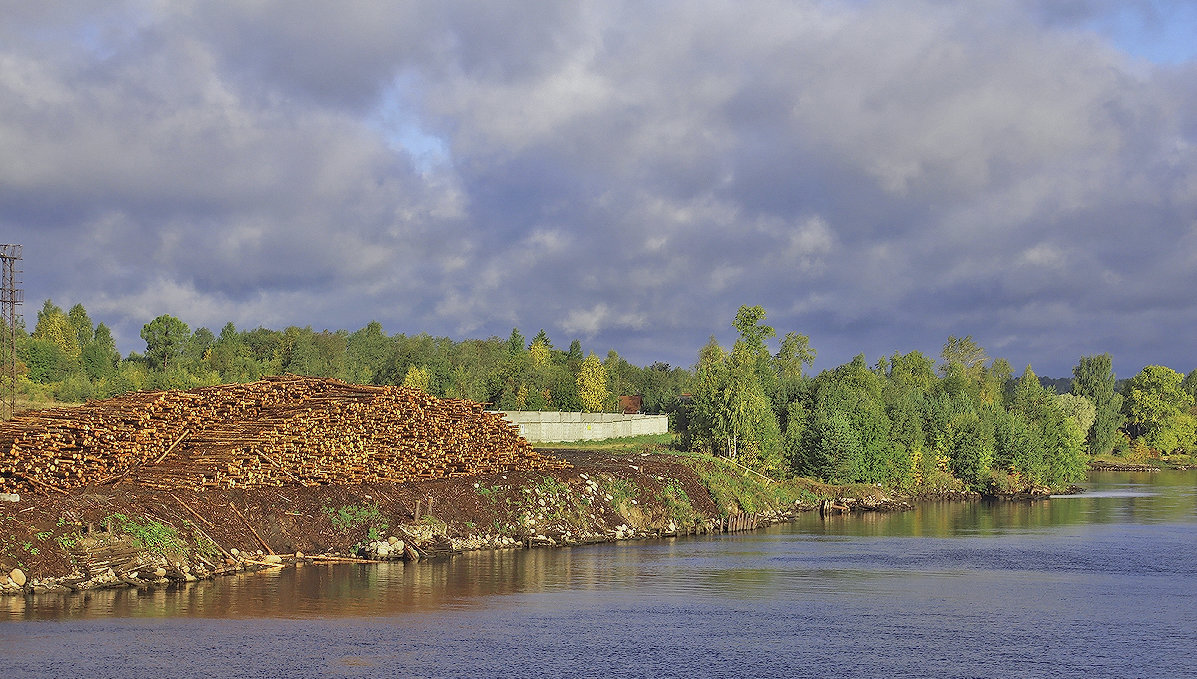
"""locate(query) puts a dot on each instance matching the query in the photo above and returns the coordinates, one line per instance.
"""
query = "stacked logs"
(274, 432)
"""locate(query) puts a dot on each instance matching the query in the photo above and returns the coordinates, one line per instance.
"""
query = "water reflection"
(1111, 497)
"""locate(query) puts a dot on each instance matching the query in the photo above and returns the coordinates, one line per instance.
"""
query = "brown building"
(630, 405)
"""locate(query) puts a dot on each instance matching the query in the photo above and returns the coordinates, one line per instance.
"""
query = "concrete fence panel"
(552, 427)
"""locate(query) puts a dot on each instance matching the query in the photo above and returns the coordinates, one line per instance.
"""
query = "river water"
(1102, 584)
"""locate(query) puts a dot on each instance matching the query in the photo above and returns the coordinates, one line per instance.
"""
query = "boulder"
(17, 576)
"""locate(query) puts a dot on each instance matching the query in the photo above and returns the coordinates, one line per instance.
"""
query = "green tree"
(575, 351)
(1081, 414)
(417, 378)
(755, 436)
(966, 353)
(620, 377)
(709, 427)
(365, 354)
(1056, 455)
(1093, 377)
(847, 434)
(100, 357)
(541, 338)
(54, 326)
(794, 353)
(972, 451)
(1158, 410)
(1189, 384)
(515, 343)
(732, 412)
(199, 345)
(81, 324)
(789, 381)
(753, 333)
(165, 339)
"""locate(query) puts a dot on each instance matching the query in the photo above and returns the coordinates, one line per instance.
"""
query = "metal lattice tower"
(11, 296)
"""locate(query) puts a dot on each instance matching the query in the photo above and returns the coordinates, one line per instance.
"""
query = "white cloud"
(878, 171)
(599, 318)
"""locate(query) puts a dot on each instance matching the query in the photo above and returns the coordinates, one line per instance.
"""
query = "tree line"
(905, 420)
(70, 358)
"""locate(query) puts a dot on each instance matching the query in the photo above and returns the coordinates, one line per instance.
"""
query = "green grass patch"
(736, 489)
(149, 534)
(491, 493)
(630, 444)
(349, 517)
(622, 492)
(678, 504)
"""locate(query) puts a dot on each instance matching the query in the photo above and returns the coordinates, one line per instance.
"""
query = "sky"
(876, 175)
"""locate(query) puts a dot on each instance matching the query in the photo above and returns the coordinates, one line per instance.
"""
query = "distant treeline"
(69, 358)
(904, 420)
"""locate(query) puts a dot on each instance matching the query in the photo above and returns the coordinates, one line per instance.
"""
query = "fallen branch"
(251, 529)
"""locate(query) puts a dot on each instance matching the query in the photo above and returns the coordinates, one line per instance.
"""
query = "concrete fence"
(549, 427)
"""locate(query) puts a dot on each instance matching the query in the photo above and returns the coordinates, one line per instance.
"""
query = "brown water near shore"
(1093, 585)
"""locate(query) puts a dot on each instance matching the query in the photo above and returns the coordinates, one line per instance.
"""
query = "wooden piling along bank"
(277, 431)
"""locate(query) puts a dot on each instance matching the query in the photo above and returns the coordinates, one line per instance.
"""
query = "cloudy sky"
(877, 175)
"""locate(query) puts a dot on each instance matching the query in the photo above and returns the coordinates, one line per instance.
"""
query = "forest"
(906, 421)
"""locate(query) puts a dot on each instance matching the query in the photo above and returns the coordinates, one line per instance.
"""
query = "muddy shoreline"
(131, 536)
(125, 535)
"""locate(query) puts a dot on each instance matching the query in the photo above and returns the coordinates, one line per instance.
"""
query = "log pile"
(274, 432)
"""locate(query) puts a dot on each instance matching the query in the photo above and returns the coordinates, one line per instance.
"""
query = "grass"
(621, 491)
(678, 504)
(149, 534)
(560, 503)
(491, 493)
(437, 524)
(349, 517)
(630, 444)
(733, 488)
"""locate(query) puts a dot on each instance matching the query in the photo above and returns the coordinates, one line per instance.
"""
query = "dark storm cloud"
(877, 175)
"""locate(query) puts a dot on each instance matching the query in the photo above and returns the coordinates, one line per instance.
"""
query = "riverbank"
(127, 535)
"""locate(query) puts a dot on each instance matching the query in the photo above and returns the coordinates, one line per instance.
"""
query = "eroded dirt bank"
(128, 535)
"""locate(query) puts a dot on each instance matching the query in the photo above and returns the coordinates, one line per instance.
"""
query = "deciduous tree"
(165, 339)
(1093, 377)
(1158, 410)
(592, 384)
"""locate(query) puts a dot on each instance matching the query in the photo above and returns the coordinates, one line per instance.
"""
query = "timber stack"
(277, 431)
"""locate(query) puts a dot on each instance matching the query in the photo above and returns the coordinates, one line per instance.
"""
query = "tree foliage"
(1159, 411)
(1093, 377)
(902, 420)
(165, 339)
(592, 384)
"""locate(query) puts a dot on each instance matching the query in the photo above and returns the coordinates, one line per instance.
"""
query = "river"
(1101, 584)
